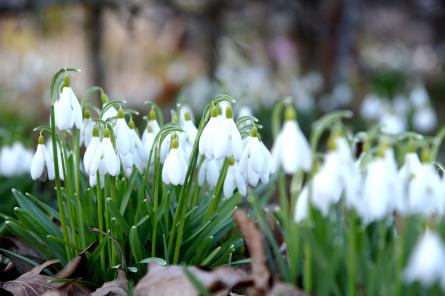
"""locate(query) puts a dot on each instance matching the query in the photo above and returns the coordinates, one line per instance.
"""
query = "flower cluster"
(15, 160)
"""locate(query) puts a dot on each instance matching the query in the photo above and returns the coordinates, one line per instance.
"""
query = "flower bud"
(228, 112)
(290, 114)
(152, 115)
(187, 116)
(66, 81)
(120, 113)
(95, 132)
(214, 112)
(106, 133)
(41, 139)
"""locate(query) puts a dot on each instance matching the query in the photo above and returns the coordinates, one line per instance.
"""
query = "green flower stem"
(58, 186)
(100, 218)
(352, 266)
(81, 218)
(218, 191)
(107, 219)
(68, 192)
(307, 276)
(284, 204)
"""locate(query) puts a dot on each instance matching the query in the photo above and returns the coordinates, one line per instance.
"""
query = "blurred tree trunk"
(95, 31)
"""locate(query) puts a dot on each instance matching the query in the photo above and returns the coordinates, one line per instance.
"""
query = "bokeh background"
(382, 59)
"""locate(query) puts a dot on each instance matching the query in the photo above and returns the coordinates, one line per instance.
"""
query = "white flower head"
(105, 159)
(426, 261)
(228, 142)
(209, 172)
(86, 132)
(122, 134)
(185, 114)
(42, 165)
(382, 188)
(137, 148)
(91, 151)
(209, 135)
(256, 161)
(67, 110)
(188, 137)
(291, 150)
(175, 165)
(234, 180)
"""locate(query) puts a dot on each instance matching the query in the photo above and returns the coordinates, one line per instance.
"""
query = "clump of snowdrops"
(166, 194)
(363, 217)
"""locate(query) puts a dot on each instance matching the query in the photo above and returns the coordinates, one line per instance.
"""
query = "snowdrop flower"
(86, 132)
(152, 123)
(122, 134)
(425, 119)
(406, 174)
(256, 161)
(209, 172)
(228, 142)
(148, 139)
(382, 187)
(419, 96)
(209, 135)
(426, 261)
(91, 151)
(110, 112)
(42, 163)
(68, 112)
(49, 148)
(105, 160)
(234, 180)
(302, 206)
(425, 193)
(185, 114)
(189, 136)
(137, 149)
(392, 123)
(175, 166)
(93, 180)
(15, 160)
(372, 107)
(291, 150)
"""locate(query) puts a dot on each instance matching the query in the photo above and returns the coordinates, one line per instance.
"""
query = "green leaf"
(157, 260)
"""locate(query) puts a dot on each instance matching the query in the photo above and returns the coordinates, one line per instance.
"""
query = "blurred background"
(382, 59)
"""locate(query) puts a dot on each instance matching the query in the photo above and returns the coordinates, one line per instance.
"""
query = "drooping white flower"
(42, 165)
(175, 166)
(256, 161)
(109, 113)
(185, 114)
(209, 172)
(188, 137)
(228, 142)
(372, 107)
(49, 148)
(68, 112)
(15, 160)
(425, 119)
(426, 261)
(302, 206)
(152, 123)
(382, 187)
(137, 149)
(406, 174)
(93, 180)
(122, 134)
(209, 135)
(148, 139)
(105, 160)
(91, 151)
(86, 132)
(291, 150)
(234, 180)
(392, 122)
(425, 192)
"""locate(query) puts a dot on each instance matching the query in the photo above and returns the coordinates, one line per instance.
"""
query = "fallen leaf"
(118, 287)
(34, 283)
(254, 241)
(18, 247)
(283, 289)
(171, 281)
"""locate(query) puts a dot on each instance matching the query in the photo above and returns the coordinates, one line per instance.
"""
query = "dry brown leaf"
(283, 289)
(118, 287)
(34, 283)
(18, 247)
(171, 281)
(254, 241)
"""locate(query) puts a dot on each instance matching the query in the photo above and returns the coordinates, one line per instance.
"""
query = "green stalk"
(58, 186)
(351, 257)
(107, 219)
(100, 218)
(283, 194)
(78, 194)
(307, 276)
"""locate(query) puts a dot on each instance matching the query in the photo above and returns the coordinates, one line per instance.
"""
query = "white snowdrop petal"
(229, 183)
(38, 163)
